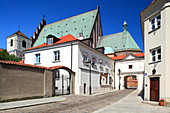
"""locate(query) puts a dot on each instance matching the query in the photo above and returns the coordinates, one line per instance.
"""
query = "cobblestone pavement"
(75, 104)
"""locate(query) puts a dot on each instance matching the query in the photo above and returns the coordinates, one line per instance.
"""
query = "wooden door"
(154, 89)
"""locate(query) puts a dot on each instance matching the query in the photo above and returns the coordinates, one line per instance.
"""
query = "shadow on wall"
(141, 94)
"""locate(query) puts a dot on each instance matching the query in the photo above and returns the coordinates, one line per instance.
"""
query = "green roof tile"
(73, 25)
(118, 42)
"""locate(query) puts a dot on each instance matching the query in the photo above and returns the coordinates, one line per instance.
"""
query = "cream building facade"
(155, 22)
(18, 42)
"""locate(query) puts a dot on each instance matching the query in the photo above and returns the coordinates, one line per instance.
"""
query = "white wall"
(78, 66)
(137, 70)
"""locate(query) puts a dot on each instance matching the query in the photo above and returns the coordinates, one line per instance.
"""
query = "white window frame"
(155, 54)
(49, 41)
(57, 55)
(155, 22)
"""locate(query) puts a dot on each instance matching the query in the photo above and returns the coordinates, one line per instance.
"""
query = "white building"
(129, 71)
(18, 42)
(155, 22)
(74, 54)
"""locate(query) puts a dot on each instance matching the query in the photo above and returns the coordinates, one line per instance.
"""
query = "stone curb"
(27, 103)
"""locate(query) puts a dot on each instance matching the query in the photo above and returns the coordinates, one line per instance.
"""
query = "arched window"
(24, 44)
(11, 43)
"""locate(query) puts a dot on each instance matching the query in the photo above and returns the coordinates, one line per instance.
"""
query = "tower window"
(24, 43)
(11, 42)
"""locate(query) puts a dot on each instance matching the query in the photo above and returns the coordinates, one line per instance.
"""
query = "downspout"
(71, 90)
(71, 54)
(114, 74)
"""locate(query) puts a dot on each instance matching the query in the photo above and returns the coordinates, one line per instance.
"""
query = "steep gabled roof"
(62, 39)
(73, 25)
(19, 33)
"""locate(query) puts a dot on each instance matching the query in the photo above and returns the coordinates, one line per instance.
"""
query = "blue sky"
(28, 14)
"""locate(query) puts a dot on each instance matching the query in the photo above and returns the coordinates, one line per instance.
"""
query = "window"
(133, 77)
(57, 56)
(24, 43)
(85, 56)
(37, 58)
(155, 22)
(57, 75)
(94, 59)
(11, 42)
(110, 80)
(156, 54)
(100, 61)
(130, 66)
(50, 41)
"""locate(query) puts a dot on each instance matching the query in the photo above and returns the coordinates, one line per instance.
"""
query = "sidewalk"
(26, 103)
(133, 104)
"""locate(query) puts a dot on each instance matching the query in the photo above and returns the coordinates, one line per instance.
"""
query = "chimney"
(43, 22)
(34, 35)
(40, 26)
(37, 30)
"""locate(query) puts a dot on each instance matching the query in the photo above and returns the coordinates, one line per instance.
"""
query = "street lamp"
(90, 63)
(119, 77)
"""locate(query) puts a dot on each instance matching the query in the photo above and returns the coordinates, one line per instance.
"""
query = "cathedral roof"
(19, 33)
(118, 42)
(73, 25)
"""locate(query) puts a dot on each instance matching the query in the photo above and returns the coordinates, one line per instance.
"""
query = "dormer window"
(50, 41)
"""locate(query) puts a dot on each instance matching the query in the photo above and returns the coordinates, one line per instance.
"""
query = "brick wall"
(132, 83)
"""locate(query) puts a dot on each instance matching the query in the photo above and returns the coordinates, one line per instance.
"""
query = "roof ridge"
(71, 17)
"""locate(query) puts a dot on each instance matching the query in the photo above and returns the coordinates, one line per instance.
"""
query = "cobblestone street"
(75, 104)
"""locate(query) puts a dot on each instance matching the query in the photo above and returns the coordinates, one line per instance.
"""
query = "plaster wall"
(137, 70)
(154, 39)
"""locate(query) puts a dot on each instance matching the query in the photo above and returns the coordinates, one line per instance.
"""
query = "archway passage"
(64, 82)
(130, 82)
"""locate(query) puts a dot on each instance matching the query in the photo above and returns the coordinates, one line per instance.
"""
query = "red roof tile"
(123, 56)
(1, 49)
(140, 55)
(35, 66)
(119, 57)
(66, 38)
(20, 33)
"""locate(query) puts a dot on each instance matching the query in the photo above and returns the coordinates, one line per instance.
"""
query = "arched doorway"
(130, 82)
(64, 81)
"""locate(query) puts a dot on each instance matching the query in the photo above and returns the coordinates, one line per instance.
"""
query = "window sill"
(154, 30)
(37, 63)
(55, 61)
(154, 62)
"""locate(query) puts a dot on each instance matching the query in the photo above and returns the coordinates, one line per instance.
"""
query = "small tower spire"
(125, 27)
(19, 28)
